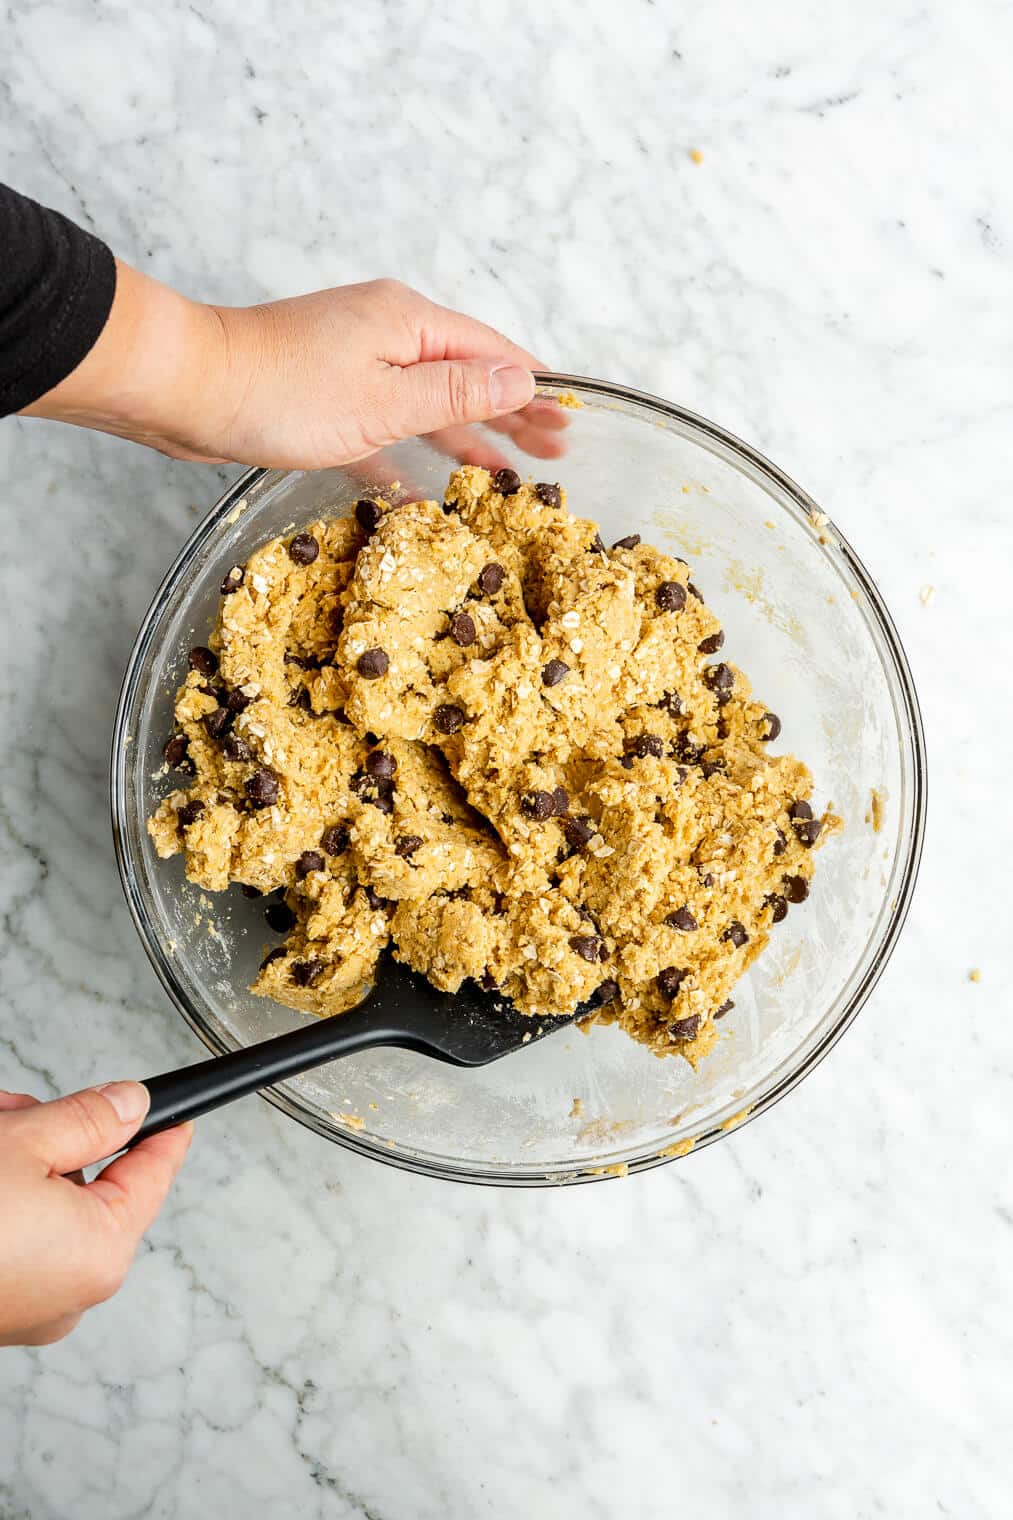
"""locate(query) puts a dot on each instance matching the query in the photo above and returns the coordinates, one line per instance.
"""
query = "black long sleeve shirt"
(57, 284)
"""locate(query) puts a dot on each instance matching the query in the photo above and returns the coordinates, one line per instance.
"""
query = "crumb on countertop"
(696, 155)
(576, 1109)
(926, 594)
(974, 975)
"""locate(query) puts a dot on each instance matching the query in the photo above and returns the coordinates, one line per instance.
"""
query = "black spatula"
(466, 1028)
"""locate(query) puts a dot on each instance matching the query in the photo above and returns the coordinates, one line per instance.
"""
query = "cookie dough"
(471, 731)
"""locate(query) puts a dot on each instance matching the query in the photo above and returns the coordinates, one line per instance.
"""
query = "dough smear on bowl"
(471, 730)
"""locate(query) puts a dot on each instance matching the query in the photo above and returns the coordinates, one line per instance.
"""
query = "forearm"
(156, 362)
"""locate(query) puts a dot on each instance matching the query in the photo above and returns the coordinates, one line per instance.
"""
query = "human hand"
(321, 379)
(67, 1245)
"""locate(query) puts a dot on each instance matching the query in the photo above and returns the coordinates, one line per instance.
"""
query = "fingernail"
(510, 387)
(130, 1100)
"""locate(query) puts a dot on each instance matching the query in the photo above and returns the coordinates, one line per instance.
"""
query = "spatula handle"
(195, 1090)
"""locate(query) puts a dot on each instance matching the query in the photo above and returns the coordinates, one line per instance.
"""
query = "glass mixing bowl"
(805, 622)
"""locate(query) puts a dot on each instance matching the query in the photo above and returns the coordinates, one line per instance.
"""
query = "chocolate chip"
(671, 596)
(367, 514)
(335, 839)
(218, 723)
(294, 659)
(712, 643)
(685, 1029)
(309, 860)
(560, 802)
(538, 805)
(378, 790)
(777, 905)
(448, 718)
(203, 660)
(642, 745)
(487, 981)
(190, 812)
(589, 947)
(671, 703)
(607, 992)
(796, 888)
(262, 788)
(232, 580)
(684, 748)
(235, 748)
(800, 810)
(462, 629)
(596, 545)
(506, 482)
(707, 880)
(303, 549)
(301, 698)
(277, 954)
(807, 831)
(780, 844)
(726, 1007)
(719, 677)
(407, 845)
(491, 577)
(549, 494)
(629, 542)
(372, 664)
(554, 672)
(693, 591)
(237, 700)
(735, 934)
(722, 727)
(578, 831)
(773, 723)
(682, 919)
(174, 752)
(670, 980)
(375, 901)
(280, 918)
(305, 972)
(249, 891)
(380, 763)
(712, 768)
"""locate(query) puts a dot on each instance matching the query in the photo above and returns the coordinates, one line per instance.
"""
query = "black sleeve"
(57, 284)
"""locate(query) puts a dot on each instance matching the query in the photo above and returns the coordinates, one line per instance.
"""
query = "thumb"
(424, 397)
(83, 1127)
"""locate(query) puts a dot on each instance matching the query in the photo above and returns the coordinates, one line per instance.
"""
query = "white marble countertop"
(812, 1318)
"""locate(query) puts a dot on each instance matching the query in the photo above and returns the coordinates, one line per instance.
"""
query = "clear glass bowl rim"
(731, 448)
